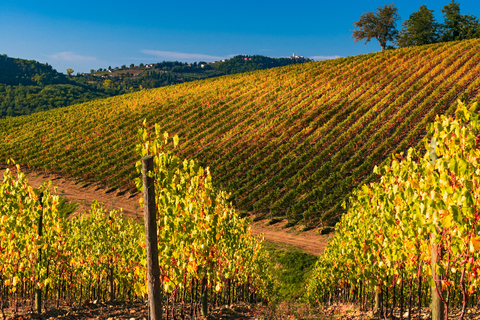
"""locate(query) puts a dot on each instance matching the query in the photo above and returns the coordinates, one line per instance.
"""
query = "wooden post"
(110, 283)
(378, 300)
(438, 312)
(150, 219)
(38, 291)
(204, 298)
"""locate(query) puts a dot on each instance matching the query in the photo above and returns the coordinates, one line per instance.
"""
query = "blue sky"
(92, 34)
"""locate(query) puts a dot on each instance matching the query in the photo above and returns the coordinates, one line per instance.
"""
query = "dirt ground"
(241, 311)
(135, 311)
(309, 241)
(139, 311)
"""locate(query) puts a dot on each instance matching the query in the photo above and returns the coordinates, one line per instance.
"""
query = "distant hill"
(244, 63)
(154, 75)
(28, 86)
(28, 72)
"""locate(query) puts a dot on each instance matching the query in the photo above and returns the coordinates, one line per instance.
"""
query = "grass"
(292, 268)
(66, 208)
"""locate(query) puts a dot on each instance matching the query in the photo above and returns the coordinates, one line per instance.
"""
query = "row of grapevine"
(204, 246)
(70, 260)
(320, 152)
(289, 141)
(414, 234)
(408, 113)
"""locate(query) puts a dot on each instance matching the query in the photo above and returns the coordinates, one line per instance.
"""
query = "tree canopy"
(380, 25)
(459, 26)
(421, 28)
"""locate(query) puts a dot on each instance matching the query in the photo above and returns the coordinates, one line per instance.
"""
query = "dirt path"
(308, 241)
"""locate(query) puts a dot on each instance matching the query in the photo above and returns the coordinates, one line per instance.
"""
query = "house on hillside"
(294, 56)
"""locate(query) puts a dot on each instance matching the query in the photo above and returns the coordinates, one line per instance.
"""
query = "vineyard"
(207, 255)
(293, 141)
(413, 238)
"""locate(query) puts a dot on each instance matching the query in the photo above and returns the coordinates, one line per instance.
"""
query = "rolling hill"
(291, 141)
(28, 86)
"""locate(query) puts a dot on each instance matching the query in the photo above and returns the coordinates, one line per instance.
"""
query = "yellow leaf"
(446, 284)
(475, 242)
(15, 281)
(138, 289)
(447, 220)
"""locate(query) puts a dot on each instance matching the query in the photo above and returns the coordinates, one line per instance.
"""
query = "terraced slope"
(289, 141)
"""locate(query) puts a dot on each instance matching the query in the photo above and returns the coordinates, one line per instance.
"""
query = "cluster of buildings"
(151, 65)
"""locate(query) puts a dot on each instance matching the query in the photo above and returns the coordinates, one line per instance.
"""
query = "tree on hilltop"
(421, 28)
(380, 25)
(459, 26)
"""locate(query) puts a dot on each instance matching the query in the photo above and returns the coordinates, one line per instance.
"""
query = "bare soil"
(111, 310)
(348, 311)
(308, 241)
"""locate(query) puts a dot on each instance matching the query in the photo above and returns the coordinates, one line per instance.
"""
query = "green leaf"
(453, 166)
(462, 167)
(473, 107)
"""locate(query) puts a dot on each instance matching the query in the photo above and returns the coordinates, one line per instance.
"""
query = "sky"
(92, 34)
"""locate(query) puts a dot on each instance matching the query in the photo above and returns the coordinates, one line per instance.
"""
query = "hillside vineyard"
(294, 141)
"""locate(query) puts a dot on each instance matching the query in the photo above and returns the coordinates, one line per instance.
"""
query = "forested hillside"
(245, 63)
(27, 86)
(292, 141)
(27, 72)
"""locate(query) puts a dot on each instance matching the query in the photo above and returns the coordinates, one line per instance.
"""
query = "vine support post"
(38, 291)
(110, 283)
(204, 297)
(378, 300)
(438, 312)
(150, 220)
